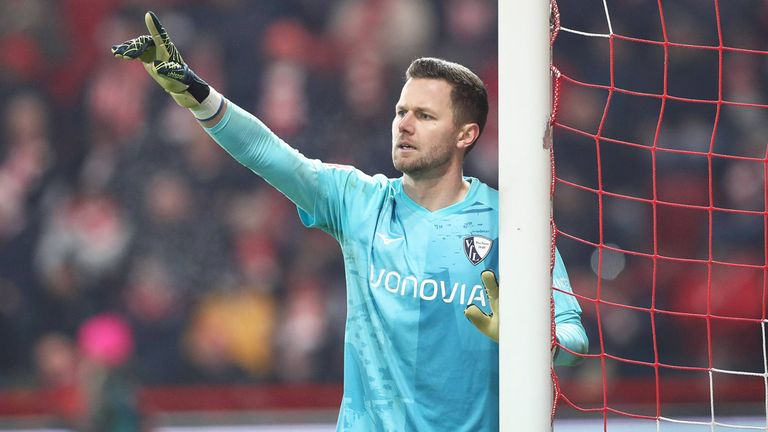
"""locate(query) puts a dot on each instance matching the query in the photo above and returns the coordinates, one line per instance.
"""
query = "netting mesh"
(660, 208)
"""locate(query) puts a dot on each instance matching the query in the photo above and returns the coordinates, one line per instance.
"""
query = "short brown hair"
(468, 96)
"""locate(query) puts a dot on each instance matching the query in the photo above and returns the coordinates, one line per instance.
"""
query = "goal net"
(660, 199)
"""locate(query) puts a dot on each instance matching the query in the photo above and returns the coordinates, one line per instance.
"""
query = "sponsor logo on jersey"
(476, 248)
(426, 289)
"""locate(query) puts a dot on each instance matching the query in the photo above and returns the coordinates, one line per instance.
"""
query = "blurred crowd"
(118, 212)
(114, 202)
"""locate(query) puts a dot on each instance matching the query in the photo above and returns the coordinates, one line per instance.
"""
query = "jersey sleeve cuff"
(209, 107)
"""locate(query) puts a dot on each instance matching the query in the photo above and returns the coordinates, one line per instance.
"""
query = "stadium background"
(690, 82)
(113, 201)
(118, 212)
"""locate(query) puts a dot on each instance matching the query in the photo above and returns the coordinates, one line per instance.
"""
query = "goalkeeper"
(413, 246)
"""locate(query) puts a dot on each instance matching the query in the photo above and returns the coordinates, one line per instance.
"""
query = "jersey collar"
(468, 200)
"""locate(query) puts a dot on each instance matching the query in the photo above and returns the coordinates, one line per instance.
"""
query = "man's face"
(424, 135)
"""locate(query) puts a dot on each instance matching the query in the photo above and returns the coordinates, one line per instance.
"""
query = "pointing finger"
(490, 283)
(159, 35)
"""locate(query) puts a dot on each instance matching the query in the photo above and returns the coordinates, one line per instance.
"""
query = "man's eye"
(425, 116)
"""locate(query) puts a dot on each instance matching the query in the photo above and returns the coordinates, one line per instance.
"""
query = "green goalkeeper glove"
(165, 65)
(488, 324)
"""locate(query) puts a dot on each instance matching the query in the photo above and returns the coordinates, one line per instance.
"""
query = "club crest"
(476, 248)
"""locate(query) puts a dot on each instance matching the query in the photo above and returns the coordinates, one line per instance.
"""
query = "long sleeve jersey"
(412, 361)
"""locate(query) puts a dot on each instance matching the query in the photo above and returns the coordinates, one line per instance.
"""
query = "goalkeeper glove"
(165, 65)
(488, 324)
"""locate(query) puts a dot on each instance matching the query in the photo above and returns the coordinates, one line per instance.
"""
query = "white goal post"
(525, 383)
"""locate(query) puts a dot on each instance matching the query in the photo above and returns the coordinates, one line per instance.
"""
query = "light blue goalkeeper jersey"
(412, 361)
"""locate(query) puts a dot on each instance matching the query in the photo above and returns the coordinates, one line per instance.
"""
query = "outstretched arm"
(241, 134)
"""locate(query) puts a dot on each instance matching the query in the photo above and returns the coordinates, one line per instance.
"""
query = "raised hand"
(164, 63)
(142, 48)
(488, 324)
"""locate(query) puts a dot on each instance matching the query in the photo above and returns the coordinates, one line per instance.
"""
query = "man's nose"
(406, 123)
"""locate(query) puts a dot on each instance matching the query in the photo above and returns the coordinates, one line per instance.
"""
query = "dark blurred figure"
(106, 344)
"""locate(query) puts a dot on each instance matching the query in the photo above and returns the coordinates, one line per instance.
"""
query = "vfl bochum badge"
(476, 248)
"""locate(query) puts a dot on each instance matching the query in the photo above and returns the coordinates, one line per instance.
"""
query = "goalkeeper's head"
(468, 95)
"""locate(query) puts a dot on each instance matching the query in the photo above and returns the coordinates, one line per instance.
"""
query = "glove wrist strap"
(198, 88)
(209, 107)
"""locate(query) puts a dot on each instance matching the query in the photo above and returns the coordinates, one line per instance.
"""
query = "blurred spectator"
(230, 334)
(374, 35)
(177, 230)
(106, 344)
(302, 333)
(57, 364)
(157, 313)
(26, 159)
(87, 232)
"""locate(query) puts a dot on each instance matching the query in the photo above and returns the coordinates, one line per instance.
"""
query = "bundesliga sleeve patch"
(476, 248)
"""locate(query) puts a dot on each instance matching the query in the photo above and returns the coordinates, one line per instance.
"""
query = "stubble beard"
(422, 164)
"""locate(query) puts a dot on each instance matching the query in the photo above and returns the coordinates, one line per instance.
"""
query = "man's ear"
(467, 135)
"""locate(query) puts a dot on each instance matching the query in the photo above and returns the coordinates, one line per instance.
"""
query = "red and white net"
(660, 181)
